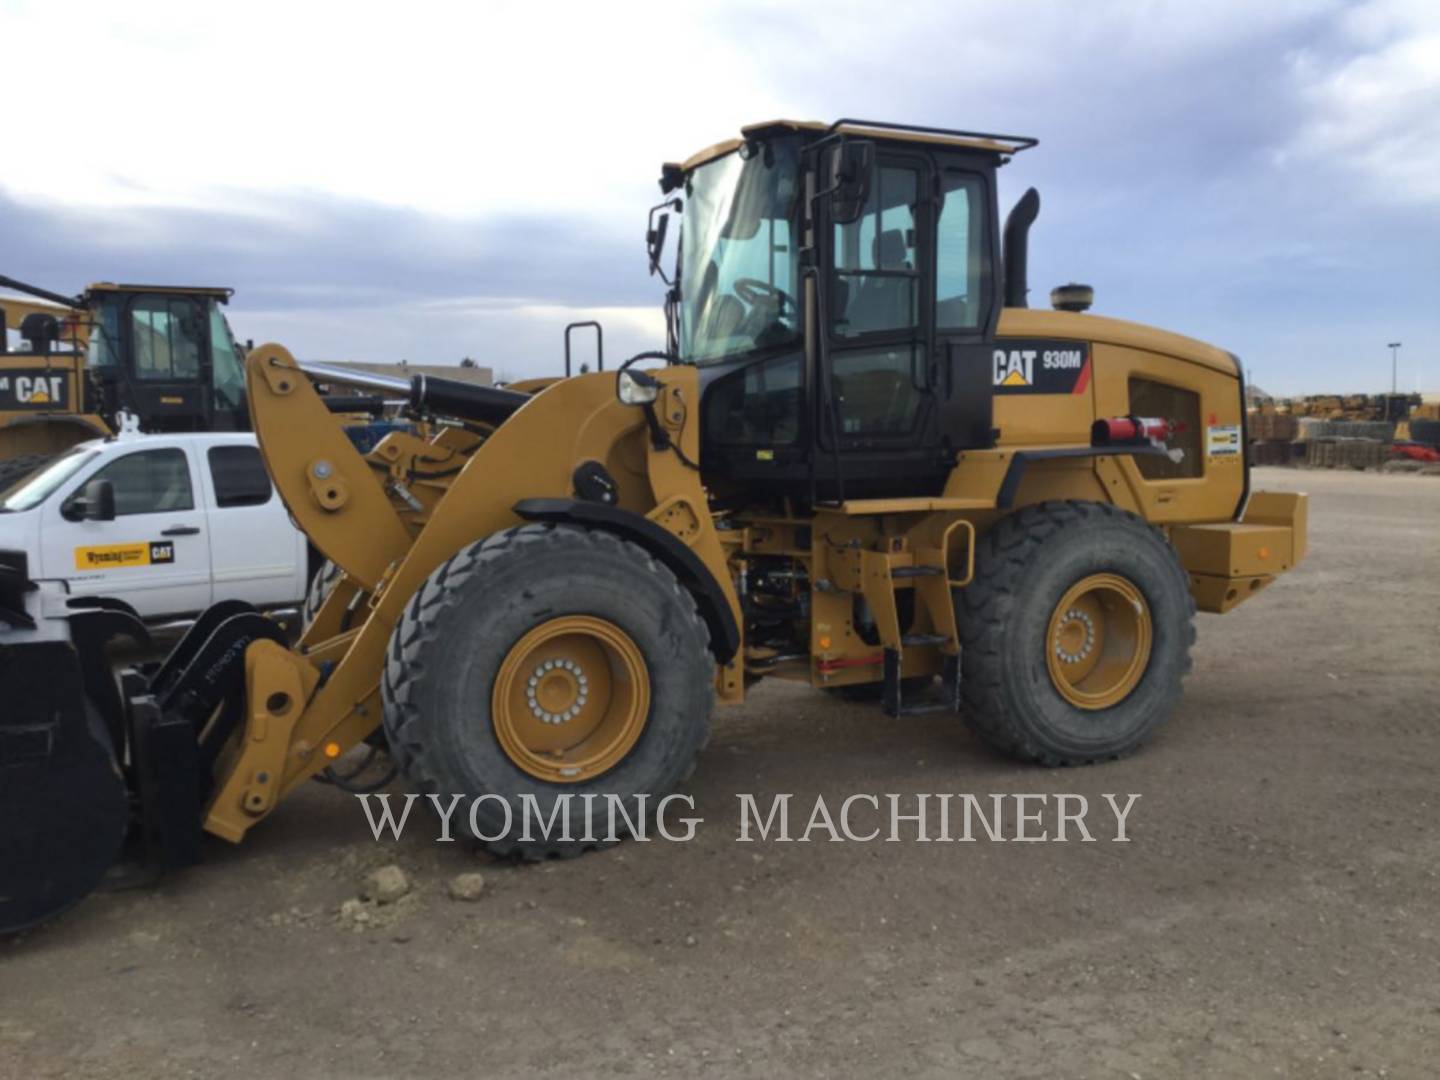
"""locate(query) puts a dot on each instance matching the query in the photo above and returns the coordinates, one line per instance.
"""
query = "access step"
(891, 698)
(924, 639)
(916, 571)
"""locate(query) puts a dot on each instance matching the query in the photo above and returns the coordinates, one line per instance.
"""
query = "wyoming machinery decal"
(118, 556)
(1040, 367)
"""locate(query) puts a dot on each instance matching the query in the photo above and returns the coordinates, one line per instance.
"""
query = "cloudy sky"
(431, 181)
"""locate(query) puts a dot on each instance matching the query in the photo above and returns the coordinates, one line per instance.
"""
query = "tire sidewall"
(1145, 560)
(490, 610)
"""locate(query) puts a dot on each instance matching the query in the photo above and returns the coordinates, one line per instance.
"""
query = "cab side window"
(962, 281)
(239, 476)
(150, 482)
(877, 265)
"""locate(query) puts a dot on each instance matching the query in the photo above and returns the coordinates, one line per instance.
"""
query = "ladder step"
(924, 639)
(922, 707)
(916, 571)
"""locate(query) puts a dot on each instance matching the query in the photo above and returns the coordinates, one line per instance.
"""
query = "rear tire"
(455, 652)
(1062, 576)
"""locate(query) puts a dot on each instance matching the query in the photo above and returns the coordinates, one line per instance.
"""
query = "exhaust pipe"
(1017, 239)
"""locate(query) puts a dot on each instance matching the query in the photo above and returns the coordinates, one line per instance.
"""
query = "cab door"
(154, 554)
(966, 306)
(877, 418)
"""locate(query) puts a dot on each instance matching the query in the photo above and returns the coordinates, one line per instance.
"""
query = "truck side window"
(150, 482)
(239, 475)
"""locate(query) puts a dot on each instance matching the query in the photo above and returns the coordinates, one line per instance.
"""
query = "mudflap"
(64, 808)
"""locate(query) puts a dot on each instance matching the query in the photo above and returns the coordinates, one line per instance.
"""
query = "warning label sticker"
(1222, 440)
(116, 556)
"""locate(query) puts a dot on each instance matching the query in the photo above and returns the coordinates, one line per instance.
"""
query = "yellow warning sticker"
(116, 556)
(1222, 440)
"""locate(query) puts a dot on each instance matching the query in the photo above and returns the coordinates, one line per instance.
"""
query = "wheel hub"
(1076, 637)
(556, 691)
(1098, 641)
(570, 699)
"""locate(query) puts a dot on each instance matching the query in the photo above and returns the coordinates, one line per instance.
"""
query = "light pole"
(1394, 348)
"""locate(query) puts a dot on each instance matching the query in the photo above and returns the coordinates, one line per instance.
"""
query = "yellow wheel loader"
(861, 462)
(163, 354)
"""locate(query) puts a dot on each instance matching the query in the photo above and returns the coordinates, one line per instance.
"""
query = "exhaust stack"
(1017, 239)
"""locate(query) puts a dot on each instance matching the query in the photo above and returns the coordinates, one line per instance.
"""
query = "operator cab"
(837, 286)
(167, 354)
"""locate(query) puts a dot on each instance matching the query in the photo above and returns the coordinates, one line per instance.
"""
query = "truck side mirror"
(852, 167)
(95, 503)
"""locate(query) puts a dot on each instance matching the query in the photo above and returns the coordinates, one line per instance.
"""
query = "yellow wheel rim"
(571, 699)
(1098, 643)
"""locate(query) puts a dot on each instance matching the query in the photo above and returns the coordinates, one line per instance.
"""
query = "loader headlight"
(636, 387)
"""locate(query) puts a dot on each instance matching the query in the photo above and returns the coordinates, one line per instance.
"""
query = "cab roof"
(986, 142)
(217, 291)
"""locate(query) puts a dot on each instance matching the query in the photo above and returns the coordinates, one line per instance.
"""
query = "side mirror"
(95, 503)
(655, 235)
(852, 167)
(655, 240)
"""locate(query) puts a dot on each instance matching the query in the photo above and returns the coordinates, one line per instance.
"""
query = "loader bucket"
(63, 803)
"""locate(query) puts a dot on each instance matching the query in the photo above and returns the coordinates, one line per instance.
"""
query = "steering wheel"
(756, 292)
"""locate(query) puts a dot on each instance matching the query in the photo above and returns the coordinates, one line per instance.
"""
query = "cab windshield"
(37, 487)
(739, 263)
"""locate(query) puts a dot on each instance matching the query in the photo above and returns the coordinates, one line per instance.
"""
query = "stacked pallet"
(1333, 453)
(1271, 434)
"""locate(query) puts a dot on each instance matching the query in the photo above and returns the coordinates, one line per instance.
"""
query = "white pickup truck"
(167, 523)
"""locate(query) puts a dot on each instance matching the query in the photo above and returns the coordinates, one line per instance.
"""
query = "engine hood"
(1072, 326)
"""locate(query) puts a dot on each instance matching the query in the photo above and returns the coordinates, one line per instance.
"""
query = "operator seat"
(884, 303)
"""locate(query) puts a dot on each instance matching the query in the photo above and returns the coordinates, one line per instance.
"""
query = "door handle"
(181, 530)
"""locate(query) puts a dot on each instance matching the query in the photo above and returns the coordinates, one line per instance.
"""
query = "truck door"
(154, 555)
(257, 554)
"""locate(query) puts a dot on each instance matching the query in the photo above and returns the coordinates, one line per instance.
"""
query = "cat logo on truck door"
(1040, 367)
(35, 389)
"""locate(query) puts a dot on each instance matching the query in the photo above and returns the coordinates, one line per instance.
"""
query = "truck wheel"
(15, 469)
(1076, 633)
(548, 661)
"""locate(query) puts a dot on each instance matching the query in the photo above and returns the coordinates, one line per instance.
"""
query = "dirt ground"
(1276, 911)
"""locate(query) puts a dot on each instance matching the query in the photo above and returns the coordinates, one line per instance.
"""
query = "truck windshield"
(36, 488)
(739, 262)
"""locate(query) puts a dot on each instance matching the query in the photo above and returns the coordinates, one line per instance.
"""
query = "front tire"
(548, 661)
(1076, 633)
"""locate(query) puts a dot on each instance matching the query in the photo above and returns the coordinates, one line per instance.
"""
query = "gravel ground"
(1274, 912)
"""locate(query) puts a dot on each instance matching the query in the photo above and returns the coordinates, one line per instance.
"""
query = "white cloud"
(1375, 111)
(457, 108)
